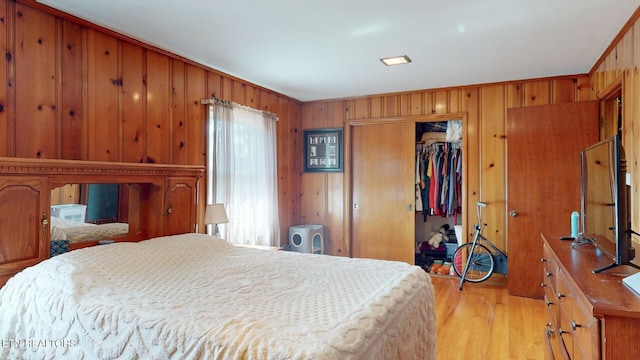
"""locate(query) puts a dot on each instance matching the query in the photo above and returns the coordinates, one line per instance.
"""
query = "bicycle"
(481, 262)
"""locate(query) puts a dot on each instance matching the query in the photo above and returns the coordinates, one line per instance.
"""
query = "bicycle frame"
(499, 258)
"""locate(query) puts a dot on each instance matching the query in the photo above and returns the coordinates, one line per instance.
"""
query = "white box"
(70, 212)
(307, 238)
(451, 248)
(633, 282)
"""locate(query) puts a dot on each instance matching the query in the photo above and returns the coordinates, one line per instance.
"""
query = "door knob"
(44, 221)
(513, 213)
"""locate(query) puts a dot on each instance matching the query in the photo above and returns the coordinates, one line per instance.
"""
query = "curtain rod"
(216, 101)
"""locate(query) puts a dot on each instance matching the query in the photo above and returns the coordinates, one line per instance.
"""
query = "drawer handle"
(543, 259)
(543, 284)
(549, 330)
(560, 331)
(575, 325)
(549, 303)
(559, 295)
(548, 274)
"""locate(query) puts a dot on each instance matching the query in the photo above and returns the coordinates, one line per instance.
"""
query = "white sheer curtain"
(242, 172)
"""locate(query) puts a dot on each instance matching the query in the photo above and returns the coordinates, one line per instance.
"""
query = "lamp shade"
(215, 214)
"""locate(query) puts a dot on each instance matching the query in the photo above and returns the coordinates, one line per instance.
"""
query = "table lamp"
(215, 214)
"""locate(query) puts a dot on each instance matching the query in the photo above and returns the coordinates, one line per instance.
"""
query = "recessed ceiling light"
(396, 60)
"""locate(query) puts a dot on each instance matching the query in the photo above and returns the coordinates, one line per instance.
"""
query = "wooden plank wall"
(486, 108)
(322, 194)
(76, 91)
(621, 62)
(72, 90)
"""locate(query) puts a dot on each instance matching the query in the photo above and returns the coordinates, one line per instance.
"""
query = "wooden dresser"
(590, 316)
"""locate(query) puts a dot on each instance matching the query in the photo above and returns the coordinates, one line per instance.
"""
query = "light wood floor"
(483, 322)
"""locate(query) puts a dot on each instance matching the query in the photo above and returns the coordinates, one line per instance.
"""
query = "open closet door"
(543, 182)
(382, 188)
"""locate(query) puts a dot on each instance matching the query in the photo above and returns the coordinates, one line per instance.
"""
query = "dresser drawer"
(555, 346)
(585, 330)
(552, 304)
(580, 330)
(549, 267)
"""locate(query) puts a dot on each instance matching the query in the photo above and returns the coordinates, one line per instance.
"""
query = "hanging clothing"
(439, 179)
(418, 184)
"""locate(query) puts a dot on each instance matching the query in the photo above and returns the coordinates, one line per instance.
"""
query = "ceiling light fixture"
(396, 60)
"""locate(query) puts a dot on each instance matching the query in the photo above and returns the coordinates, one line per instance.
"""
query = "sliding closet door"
(382, 188)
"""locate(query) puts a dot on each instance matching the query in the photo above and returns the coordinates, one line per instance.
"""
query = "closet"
(438, 193)
(384, 223)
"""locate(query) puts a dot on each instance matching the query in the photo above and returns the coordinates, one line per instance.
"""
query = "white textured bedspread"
(192, 296)
(75, 232)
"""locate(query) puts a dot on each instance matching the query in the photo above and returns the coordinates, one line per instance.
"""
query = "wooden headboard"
(159, 200)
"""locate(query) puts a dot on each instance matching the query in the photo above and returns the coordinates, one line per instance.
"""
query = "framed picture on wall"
(323, 150)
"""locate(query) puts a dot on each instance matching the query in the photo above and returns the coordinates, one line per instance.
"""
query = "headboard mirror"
(127, 201)
(83, 212)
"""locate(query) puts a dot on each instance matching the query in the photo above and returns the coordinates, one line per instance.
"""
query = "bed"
(76, 232)
(192, 296)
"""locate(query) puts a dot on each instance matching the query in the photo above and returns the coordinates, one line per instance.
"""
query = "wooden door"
(24, 215)
(543, 182)
(180, 203)
(382, 188)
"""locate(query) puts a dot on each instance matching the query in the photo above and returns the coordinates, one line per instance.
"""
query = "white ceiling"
(323, 49)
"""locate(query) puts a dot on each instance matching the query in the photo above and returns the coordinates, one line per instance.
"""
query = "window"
(242, 172)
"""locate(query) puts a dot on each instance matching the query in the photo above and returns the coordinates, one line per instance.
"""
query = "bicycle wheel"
(480, 265)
